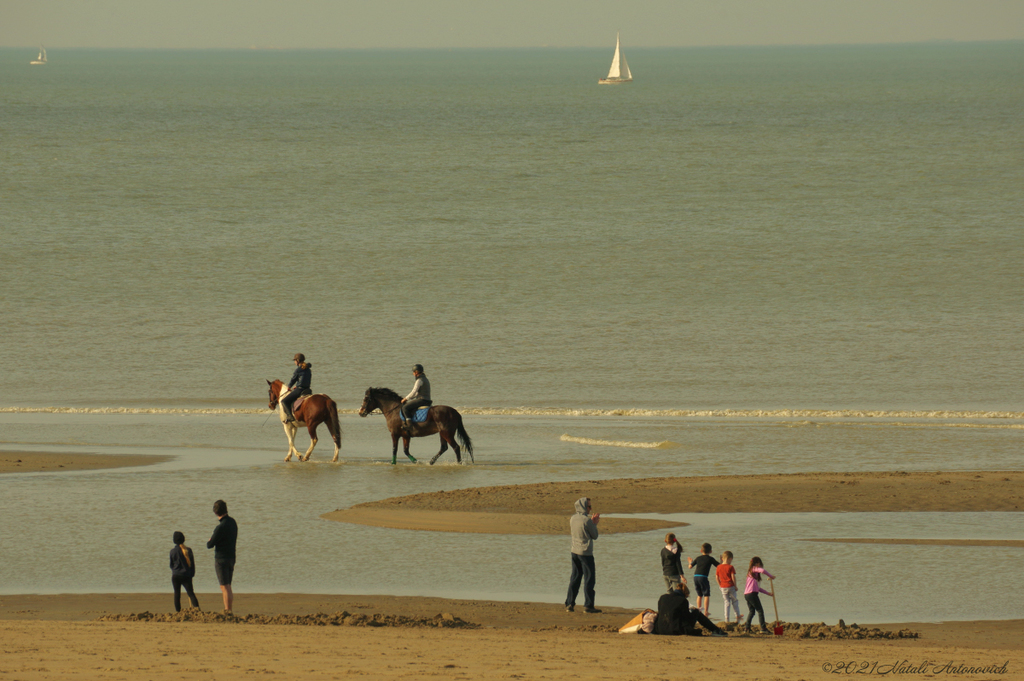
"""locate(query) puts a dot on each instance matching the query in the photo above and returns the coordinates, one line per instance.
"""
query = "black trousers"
(754, 605)
(186, 582)
(410, 407)
(699, 618)
(289, 399)
(583, 570)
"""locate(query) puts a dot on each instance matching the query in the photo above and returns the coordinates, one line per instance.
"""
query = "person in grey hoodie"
(419, 397)
(583, 528)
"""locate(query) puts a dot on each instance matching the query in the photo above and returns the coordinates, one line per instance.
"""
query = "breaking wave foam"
(746, 413)
(556, 411)
(667, 444)
(127, 410)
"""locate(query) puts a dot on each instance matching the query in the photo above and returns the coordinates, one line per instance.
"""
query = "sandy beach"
(37, 462)
(50, 637)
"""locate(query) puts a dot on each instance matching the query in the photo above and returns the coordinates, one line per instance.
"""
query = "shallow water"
(117, 523)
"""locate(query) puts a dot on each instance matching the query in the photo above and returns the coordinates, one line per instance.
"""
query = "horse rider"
(298, 385)
(419, 397)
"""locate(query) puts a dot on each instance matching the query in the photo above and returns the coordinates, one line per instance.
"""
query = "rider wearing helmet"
(298, 385)
(419, 397)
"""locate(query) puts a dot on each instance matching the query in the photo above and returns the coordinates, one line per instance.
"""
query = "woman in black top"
(301, 380)
(183, 569)
(676, 619)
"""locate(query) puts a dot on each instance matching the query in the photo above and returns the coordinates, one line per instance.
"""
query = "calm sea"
(782, 259)
(760, 228)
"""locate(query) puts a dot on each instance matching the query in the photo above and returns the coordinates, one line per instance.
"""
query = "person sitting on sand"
(675, 618)
(752, 589)
(183, 569)
(672, 563)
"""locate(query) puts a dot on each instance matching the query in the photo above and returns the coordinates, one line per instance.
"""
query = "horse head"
(274, 391)
(369, 403)
(385, 399)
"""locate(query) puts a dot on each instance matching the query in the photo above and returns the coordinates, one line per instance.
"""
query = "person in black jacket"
(224, 537)
(183, 569)
(302, 378)
(672, 563)
(675, 617)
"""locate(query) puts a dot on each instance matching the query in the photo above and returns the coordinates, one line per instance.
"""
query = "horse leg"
(405, 446)
(312, 441)
(289, 430)
(394, 448)
(444, 448)
(455, 446)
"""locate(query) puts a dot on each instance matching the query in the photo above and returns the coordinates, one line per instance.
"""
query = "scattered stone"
(826, 632)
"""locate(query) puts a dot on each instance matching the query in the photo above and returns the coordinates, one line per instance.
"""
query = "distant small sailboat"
(619, 72)
(41, 59)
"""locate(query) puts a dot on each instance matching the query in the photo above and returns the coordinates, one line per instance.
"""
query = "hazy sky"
(498, 23)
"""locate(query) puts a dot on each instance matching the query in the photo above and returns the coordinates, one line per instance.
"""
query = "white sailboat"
(41, 59)
(619, 72)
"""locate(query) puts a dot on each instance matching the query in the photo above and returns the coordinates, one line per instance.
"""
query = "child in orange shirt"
(726, 575)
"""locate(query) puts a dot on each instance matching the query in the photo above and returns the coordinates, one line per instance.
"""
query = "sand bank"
(486, 523)
(542, 508)
(928, 542)
(49, 637)
(35, 462)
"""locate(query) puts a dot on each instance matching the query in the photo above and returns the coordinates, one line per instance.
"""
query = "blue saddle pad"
(421, 415)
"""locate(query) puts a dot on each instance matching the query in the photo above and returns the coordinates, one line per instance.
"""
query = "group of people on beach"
(183, 561)
(674, 616)
(725, 575)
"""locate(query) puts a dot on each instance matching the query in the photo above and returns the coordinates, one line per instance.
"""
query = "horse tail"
(463, 437)
(332, 421)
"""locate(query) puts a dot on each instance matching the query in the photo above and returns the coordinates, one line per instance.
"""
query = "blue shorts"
(701, 585)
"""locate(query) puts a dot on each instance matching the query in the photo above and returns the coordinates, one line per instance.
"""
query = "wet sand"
(542, 508)
(51, 637)
(928, 542)
(55, 462)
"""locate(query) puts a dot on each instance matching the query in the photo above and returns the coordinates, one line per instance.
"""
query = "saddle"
(306, 394)
(420, 417)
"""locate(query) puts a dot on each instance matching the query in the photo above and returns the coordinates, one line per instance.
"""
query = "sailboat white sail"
(41, 59)
(619, 72)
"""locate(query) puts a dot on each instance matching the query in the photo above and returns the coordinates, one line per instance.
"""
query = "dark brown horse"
(440, 419)
(314, 410)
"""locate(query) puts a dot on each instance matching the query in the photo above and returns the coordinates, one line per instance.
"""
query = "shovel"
(779, 629)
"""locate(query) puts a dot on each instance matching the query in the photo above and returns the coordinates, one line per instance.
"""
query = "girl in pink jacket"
(753, 588)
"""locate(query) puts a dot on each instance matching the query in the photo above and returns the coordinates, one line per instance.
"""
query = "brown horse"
(440, 419)
(314, 410)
